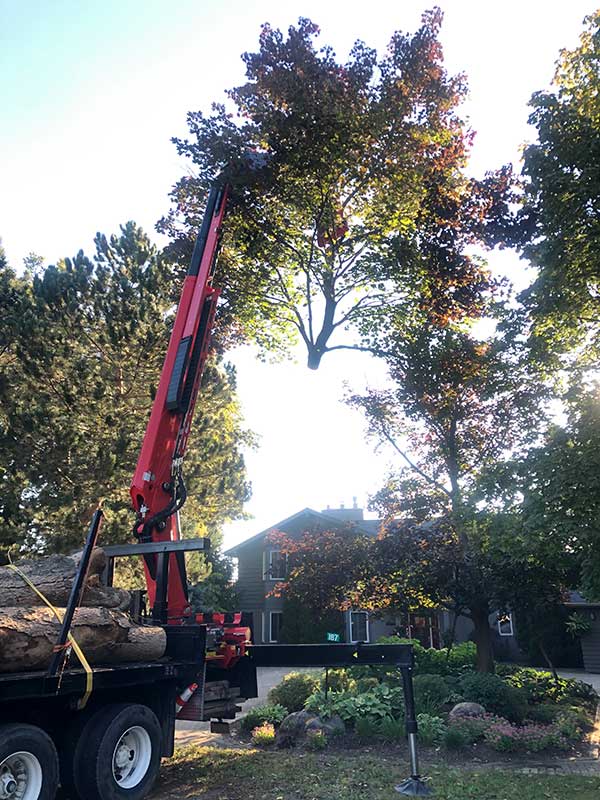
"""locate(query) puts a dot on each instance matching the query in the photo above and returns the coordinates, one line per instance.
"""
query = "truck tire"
(28, 763)
(117, 756)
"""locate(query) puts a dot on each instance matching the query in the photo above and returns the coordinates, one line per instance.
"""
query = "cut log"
(54, 576)
(28, 636)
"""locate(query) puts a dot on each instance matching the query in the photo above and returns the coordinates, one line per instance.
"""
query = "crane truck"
(100, 732)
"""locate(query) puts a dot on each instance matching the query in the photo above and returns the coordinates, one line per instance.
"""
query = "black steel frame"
(75, 596)
(188, 642)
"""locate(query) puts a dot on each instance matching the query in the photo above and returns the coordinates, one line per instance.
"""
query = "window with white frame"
(505, 624)
(275, 620)
(274, 565)
(359, 626)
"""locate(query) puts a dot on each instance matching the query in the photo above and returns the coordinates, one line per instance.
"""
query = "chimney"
(354, 514)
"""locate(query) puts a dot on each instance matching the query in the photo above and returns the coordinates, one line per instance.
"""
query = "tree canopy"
(363, 203)
(562, 181)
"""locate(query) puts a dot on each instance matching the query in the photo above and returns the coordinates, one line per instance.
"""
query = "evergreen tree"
(82, 354)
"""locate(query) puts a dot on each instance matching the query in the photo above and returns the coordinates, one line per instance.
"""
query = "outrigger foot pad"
(413, 787)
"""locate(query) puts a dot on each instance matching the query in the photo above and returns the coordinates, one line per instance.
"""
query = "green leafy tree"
(84, 349)
(562, 175)
(457, 406)
(554, 488)
(302, 625)
(212, 584)
(363, 203)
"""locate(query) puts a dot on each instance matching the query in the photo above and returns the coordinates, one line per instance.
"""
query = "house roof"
(369, 527)
(577, 600)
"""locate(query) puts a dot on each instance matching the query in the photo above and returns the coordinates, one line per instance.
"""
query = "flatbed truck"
(100, 732)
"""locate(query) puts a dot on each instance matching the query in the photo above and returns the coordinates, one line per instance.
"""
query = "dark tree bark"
(483, 638)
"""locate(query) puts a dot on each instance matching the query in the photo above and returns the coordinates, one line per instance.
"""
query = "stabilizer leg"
(414, 786)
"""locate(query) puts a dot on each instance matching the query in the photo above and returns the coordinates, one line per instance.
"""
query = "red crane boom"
(158, 490)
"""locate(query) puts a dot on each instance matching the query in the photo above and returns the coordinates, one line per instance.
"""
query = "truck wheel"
(28, 763)
(118, 754)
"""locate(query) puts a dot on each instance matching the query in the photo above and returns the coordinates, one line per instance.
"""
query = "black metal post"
(413, 786)
(76, 592)
(160, 608)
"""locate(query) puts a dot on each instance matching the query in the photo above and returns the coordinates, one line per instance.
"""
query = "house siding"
(590, 643)
(250, 584)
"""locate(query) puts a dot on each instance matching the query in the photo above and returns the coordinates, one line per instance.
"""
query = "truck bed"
(21, 685)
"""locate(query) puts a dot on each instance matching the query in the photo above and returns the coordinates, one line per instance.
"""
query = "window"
(275, 619)
(359, 626)
(505, 624)
(274, 565)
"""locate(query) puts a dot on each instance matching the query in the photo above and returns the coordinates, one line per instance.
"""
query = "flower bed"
(527, 711)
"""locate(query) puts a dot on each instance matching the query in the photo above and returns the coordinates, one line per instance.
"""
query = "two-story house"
(261, 566)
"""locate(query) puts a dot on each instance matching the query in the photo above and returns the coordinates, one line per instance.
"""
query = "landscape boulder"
(334, 726)
(467, 710)
(296, 725)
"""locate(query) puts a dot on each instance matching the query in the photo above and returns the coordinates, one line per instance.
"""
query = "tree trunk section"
(548, 660)
(53, 576)
(28, 636)
(483, 639)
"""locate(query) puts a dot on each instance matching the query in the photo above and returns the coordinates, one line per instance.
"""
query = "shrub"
(454, 738)
(431, 693)
(431, 729)
(391, 729)
(365, 728)
(316, 740)
(366, 684)
(543, 687)
(430, 661)
(503, 670)
(339, 680)
(473, 728)
(264, 734)
(572, 722)
(495, 695)
(578, 692)
(294, 690)
(544, 713)
(462, 658)
(509, 738)
(274, 715)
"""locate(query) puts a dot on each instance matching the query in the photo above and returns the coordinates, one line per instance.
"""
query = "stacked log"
(53, 576)
(29, 629)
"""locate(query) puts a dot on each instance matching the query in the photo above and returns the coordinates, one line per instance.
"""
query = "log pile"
(102, 628)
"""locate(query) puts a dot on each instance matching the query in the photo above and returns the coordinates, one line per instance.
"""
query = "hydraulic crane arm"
(158, 490)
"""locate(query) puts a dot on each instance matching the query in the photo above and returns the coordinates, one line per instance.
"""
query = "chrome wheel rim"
(20, 777)
(131, 757)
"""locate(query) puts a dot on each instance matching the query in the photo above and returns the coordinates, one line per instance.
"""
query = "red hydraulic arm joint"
(157, 489)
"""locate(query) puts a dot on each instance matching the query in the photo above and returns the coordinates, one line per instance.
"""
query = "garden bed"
(518, 714)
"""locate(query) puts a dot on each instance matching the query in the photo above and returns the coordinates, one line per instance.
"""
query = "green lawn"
(213, 773)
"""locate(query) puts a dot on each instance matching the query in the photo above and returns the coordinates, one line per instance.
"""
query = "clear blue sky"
(90, 94)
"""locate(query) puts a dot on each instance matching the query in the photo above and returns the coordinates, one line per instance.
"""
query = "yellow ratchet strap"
(89, 676)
